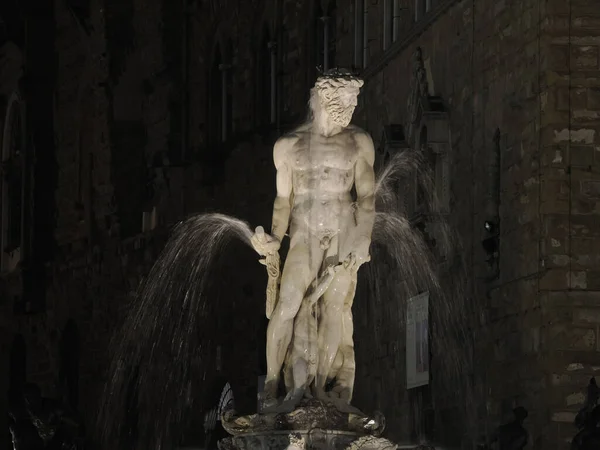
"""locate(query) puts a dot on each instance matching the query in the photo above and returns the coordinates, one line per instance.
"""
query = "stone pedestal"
(316, 439)
(313, 425)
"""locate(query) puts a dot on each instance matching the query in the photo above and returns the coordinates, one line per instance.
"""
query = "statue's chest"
(336, 154)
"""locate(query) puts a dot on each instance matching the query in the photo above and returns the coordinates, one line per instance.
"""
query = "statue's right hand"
(263, 243)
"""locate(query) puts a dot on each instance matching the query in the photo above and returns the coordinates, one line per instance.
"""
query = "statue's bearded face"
(340, 104)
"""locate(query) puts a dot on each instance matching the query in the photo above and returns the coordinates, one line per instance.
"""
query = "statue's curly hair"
(328, 85)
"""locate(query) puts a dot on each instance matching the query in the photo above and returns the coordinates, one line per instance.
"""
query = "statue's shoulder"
(289, 139)
(358, 132)
(297, 133)
(283, 147)
(364, 142)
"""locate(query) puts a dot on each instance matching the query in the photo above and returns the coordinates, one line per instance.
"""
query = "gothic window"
(283, 48)
(69, 362)
(388, 23)
(358, 33)
(361, 38)
(13, 149)
(394, 143)
(220, 117)
(428, 134)
(330, 25)
(422, 7)
(391, 22)
(319, 24)
(266, 74)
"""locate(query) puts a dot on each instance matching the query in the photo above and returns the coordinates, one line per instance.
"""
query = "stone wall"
(569, 295)
(130, 120)
(483, 61)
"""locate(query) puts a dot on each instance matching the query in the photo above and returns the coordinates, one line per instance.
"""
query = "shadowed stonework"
(507, 92)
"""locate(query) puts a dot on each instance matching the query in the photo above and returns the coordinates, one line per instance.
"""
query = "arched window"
(69, 362)
(13, 152)
(18, 368)
(215, 113)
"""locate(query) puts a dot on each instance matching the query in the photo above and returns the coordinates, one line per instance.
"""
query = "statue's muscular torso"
(322, 174)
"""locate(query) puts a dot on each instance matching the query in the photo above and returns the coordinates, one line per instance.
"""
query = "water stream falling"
(165, 343)
(410, 257)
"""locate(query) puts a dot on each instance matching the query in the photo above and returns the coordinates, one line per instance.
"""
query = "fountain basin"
(312, 439)
(312, 425)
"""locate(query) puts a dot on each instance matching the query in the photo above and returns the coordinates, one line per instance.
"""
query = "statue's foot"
(267, 399)
(289, 403)
(342, 392)
(320, 394)
(267, 405)
(291, 400)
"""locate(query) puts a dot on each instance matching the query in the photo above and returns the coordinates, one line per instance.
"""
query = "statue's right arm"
(282, 206)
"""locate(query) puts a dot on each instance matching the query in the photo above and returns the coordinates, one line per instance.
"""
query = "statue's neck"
(323, 124)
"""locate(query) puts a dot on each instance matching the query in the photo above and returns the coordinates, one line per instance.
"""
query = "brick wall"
(570, 236)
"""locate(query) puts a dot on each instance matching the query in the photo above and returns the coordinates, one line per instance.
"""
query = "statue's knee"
(285, 314)
(290, 298)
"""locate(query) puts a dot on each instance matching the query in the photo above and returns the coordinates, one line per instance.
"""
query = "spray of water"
(165, 343)
(423, 254)
(166, 338)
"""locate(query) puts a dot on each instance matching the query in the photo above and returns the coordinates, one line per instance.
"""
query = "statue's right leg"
(344, 385)
(300, 268)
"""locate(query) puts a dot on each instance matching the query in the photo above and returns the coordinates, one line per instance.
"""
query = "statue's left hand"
(263, 243)
(361, 250)
(359, 254)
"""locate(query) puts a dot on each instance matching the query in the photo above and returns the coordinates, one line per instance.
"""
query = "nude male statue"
(318, 165)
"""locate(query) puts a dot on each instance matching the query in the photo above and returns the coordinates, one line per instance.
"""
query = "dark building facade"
(121, 117)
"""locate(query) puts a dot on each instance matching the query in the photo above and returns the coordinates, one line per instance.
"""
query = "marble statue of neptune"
(325, 202)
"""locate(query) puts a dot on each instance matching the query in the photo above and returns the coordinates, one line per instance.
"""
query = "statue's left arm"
(364, 182)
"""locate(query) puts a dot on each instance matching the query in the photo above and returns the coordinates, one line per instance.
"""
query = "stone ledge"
(313, 439)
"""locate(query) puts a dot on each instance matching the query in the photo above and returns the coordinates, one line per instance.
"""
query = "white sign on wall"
(417, 341)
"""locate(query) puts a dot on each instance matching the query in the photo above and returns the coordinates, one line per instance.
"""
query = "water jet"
(339, 218)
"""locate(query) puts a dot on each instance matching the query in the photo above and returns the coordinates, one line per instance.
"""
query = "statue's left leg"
(330, 326)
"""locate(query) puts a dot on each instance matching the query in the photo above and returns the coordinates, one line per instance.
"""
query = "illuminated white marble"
(319, 166)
